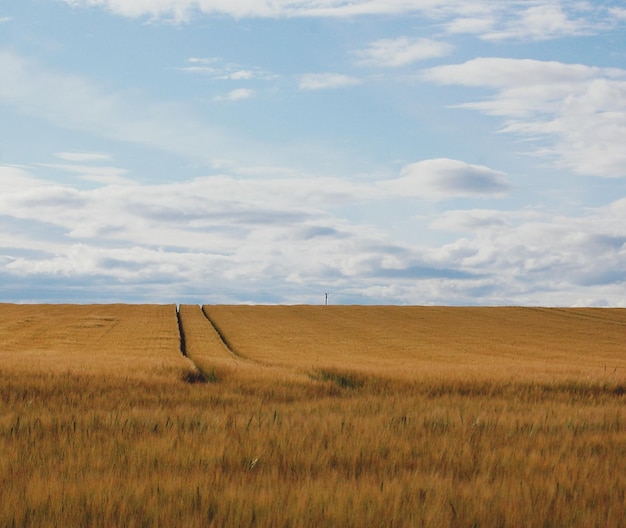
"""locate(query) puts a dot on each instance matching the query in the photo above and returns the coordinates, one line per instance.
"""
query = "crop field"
(122, 415)
(421, 342)
(127, 340)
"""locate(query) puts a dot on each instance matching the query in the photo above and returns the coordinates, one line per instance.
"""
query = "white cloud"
(446, 178)
(393, 53)
(471, 25)
(577, 112)
(526, 19)
(203, 60)
(323, 81)
(206, 65)
(97, 174)
(618, 12)
(531, 20)
(219, 69)
(535, 251)
(219, 227)
(176, 9)
(181, 10)
(236, 95)
(235, 239)
(84, 157)
(240, 75)
(511, 73)
(4, 20)
(540, 22)
(12, 179)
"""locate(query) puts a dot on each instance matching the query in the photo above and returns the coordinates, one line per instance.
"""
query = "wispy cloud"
(181, 10)
(236, 95)
(75, 102)
(323, 81)
(618, 12)
(83, 156)
(543, 22)
(219, 69)
(393, 53)
(578, 112)
(92, 173)
(537, 20)
(475, 25)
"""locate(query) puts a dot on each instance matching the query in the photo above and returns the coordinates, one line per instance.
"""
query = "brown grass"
(127, 340)
(426, 429)
(421, 342)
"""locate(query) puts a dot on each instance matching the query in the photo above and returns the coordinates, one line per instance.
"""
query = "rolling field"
(312, 416)
(421, 342)
(125, 340)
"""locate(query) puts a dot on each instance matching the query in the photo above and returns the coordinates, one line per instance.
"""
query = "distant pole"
(326, 299)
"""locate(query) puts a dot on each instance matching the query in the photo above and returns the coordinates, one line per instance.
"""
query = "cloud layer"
(496, 21)
(401, 51)
(244, 238)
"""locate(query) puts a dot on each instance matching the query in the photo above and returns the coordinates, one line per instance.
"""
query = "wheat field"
(546, 344)
(121, 415)
(128, 340)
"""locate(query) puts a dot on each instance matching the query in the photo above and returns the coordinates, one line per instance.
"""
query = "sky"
(429, 152)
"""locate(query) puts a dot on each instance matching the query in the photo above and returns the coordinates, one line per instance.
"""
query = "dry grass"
(337, 438)
(126, 340)
(422, 342)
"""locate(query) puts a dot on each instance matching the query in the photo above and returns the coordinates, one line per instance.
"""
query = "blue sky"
(386, 152)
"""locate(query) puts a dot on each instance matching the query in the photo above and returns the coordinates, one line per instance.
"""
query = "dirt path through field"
(214, 354)
(202, 344)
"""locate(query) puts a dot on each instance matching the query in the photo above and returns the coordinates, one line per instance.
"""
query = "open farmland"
(125, 340)
(312, 416)
(421, 342)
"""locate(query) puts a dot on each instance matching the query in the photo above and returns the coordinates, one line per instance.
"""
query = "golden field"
(131, 340)
(312, 416)
(415, 342)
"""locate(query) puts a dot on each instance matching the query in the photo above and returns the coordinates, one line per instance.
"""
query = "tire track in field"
(609, 316)
(197, 373)
(204, 344)
(234, 353)
(223, 338)
(181, 333)
(238, 356)
(260, 367)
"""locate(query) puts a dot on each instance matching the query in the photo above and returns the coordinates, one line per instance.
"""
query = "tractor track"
(197, 373)
(203, 343)
(181, 333)
(222, 337)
